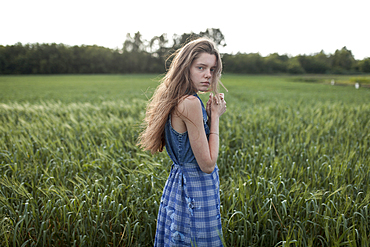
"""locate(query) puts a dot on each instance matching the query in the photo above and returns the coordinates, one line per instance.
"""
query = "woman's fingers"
(218, 105)
(219, 99)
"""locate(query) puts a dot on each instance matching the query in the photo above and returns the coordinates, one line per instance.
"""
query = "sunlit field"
(294, 162)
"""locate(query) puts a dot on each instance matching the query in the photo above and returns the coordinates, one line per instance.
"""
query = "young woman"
(189, 212)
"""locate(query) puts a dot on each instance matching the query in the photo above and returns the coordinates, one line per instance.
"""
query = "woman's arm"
(205, 151)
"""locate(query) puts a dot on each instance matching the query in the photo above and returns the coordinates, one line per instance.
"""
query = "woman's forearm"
(214, 139)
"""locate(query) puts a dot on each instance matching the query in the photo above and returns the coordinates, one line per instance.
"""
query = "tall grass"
(294, 164)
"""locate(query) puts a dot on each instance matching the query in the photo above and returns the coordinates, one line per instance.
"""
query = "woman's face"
(201, 71)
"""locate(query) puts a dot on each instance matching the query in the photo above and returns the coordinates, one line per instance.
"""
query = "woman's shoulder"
(189, 105)
(189, 101)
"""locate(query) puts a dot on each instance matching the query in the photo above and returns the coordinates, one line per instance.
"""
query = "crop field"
(294, 162)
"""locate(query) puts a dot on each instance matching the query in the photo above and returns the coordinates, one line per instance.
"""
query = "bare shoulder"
(189, 106)
(189, 103)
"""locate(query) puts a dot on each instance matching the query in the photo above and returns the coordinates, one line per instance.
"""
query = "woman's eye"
(212, 70)
(200, 68)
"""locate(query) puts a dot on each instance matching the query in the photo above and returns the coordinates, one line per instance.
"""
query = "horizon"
(220, 49)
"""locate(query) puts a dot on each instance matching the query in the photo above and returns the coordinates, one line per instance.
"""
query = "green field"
(294, 162)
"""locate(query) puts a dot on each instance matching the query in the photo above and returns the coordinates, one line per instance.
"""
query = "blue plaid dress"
(189, 212)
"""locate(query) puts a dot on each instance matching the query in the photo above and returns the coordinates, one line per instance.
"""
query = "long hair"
(173, 87)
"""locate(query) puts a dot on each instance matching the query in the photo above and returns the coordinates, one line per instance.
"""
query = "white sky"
(266, 26)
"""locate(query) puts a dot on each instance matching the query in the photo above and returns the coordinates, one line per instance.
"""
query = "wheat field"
(294, 162)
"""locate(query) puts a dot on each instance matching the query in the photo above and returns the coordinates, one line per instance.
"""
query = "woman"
(189, 212)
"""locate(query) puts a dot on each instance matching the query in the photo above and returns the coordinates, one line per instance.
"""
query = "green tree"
(314, 64)
(251, 63)
(136, 58)
(180, 40)
(215, 35)
(3, 60)
(364, 65)
(274, 63)
(159, 50)
(342, 60)
(158, 45)
(294, 66)
(133, 44)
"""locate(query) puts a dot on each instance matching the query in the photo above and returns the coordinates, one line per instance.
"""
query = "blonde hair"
(173, 87)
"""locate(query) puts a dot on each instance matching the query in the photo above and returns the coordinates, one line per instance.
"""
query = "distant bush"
(142, 56)
(361, 80)
(307, 79)
(364, 65)
(294, 67)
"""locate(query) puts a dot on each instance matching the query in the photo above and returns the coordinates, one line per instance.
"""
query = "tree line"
(150, 56)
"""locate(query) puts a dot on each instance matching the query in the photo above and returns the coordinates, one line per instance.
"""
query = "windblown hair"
(174, 87)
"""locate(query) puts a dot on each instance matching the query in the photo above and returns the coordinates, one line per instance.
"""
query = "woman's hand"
(218, 105)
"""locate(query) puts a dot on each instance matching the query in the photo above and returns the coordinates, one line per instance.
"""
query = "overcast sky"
(264, 26)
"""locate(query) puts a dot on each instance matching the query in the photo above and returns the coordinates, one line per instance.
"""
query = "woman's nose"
(208, 74)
